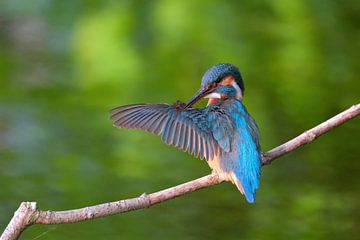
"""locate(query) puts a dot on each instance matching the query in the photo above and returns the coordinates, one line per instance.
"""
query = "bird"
(223, 132)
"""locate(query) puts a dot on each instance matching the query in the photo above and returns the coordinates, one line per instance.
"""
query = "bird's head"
(221, 81)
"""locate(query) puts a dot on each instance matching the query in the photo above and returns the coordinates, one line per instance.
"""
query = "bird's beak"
(203, 91)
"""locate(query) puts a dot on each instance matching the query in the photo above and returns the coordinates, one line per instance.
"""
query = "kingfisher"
(223, 132)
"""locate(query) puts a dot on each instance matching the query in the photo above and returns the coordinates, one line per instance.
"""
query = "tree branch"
(28, 214)
(311, 134)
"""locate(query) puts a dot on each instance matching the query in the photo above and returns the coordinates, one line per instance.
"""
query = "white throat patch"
(238, 90)
(213, 95)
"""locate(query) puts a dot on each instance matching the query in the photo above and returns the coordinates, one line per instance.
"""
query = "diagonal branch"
(311, 134)
(28, 214)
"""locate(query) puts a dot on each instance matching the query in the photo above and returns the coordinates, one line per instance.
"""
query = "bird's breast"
(217, 165)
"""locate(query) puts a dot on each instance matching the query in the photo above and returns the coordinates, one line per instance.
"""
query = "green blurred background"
(64, 64)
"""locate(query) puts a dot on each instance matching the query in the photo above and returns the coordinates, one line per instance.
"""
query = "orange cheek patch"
(212, 100)
(227, 81)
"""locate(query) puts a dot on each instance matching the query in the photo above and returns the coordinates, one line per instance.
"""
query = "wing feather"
(185, 144)
(159, 125)
(202, 132)
(126, 119)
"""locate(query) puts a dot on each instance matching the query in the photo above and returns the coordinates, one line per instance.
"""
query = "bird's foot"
(179, 105)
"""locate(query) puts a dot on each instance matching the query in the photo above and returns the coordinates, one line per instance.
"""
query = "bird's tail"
(246, 190)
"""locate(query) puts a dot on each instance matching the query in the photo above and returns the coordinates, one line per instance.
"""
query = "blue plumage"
(248, 168)
(223, 133)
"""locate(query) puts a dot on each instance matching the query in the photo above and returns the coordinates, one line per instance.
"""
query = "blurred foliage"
(64, 64)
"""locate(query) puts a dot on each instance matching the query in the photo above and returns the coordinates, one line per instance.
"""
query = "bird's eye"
(217, 81)
(213, 84)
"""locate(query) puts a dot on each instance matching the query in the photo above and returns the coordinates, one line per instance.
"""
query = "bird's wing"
(201, 132)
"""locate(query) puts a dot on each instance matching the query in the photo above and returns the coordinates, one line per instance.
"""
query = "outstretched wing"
(201, 132)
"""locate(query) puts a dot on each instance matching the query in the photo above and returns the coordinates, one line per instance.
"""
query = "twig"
(28, 214)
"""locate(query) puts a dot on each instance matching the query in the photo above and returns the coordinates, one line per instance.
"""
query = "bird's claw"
(179, 105)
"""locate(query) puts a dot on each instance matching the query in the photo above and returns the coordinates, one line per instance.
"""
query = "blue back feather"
(248, 169)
